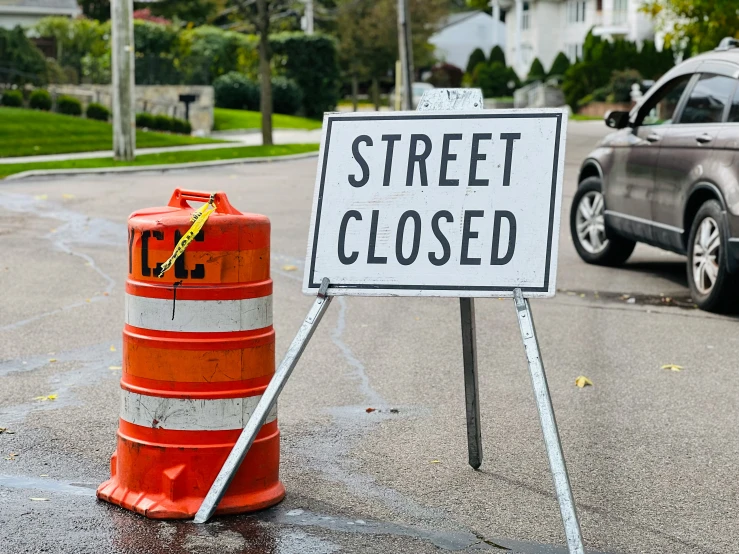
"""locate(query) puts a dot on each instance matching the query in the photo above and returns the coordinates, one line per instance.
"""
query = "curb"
(161, 167)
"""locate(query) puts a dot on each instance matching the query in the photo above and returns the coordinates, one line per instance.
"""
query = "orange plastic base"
(167, 481)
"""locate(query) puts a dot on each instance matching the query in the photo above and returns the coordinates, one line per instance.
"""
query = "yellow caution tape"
(198, 219)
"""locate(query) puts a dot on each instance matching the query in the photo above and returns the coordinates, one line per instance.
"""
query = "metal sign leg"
(471, 395)
(257, 419)
(548, 425)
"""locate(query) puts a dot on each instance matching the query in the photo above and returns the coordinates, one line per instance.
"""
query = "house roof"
(41, 7)
(455, 18)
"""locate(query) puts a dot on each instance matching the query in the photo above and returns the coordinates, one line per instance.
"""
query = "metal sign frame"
(451, 100)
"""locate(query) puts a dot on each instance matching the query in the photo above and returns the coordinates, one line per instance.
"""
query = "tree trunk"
(265, 72)
(376, 93)
(355, 92)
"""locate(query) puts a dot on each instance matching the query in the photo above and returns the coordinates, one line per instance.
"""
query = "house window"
(620, 8)
(576, 11)
(525, 17)
(599, 5)
(573, 51)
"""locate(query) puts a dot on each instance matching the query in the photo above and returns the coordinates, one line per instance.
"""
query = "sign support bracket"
(548, 424)
(257, 419)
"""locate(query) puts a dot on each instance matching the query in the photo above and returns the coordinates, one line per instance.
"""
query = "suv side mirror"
(617, 119)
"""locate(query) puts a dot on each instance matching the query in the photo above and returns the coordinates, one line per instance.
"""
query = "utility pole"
(124, 120)
(405, 50)
(308, 17)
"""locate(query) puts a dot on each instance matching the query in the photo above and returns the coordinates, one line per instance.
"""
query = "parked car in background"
(669, 177)
(418, 90)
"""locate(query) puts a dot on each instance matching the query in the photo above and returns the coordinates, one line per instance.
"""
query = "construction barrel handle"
(220, 200)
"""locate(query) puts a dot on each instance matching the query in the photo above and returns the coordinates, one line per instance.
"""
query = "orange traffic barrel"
(198, 352)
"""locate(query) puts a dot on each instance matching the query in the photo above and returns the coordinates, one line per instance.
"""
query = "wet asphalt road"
(652, 454)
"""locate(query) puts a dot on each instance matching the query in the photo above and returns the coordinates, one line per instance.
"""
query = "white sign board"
(438, 203)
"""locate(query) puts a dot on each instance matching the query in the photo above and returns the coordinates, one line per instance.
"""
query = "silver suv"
(669, 177)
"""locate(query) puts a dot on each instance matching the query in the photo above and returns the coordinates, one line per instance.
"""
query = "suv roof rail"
(728, 43)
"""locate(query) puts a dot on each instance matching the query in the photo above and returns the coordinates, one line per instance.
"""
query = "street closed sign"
(438, 204)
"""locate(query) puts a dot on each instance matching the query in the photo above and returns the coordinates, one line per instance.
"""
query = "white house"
(27, 13)
(461, 33)
(543, 28)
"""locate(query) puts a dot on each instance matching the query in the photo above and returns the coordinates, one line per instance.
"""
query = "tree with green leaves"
(26, 62)
(261, 17)
(476, 58)
(560, 65)
(497, 55)
(701, 22)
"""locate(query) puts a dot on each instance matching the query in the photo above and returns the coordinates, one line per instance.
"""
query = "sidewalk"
(235, 139)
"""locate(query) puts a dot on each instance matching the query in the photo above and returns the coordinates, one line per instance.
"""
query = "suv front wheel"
(594, 242)
(712, 286)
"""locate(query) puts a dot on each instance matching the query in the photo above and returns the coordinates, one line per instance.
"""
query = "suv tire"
(594, 242)
(712, 287)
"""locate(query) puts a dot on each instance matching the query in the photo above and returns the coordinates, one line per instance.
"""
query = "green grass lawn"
(226, 120)
(25, 132)
(579, 117)
(166, 158)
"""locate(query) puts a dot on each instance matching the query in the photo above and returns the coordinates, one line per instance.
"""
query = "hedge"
(12, 98)
(97, 111)
(68, 105)
(40, 99)
(236, 91)
(20, 54)
(163, 122)
(312, 62)
(287, 97)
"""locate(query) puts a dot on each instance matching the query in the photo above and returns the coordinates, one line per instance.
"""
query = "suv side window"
(708, 99)
(734, 110)
(660, 108)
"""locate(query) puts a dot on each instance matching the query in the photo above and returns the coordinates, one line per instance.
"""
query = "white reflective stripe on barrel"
(184, 414)
(199, 316)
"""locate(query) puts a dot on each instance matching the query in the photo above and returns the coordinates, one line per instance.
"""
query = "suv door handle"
(653, 137)
(704, 138)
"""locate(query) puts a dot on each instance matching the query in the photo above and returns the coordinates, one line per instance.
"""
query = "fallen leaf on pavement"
(394, 411)
(6, 431)
(52, 360)
(434, 462)
(370, 410)
(115, 367)
(112, 348)
(11, 456)
(67, 196)
(289, 267)
(672, 367)
(41, 196)
(39, 499)
(45, 398)
(583, 381)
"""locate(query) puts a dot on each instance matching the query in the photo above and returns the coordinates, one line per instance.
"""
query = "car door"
(687, 153)
(631, 182)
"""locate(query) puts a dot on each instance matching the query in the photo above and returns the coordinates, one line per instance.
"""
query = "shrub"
(68, 105)
(12, 98)
(536, 72)
(287, 97)
(496, 55)
(236, 91)
(580, 80)
(492, 79)
(162, 123)
(40, 99)
(446, 75)
(97, 111)
(144, 120)
(181, 126)
(312, 62)
(560, 65)
(620, 85)
(476, 58)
